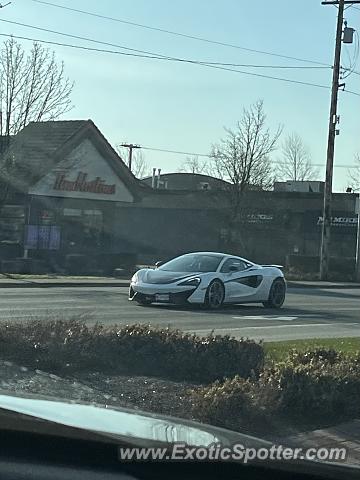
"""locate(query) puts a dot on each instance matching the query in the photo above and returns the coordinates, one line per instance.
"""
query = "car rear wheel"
(276, 294)
(214, 296)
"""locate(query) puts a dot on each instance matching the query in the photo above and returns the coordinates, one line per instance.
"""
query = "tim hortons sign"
(81, 184)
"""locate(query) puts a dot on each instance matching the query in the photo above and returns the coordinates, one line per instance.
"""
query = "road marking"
(267, 317)
(280, 326)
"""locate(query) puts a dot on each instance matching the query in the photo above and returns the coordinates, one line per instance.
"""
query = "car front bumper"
(176, 294)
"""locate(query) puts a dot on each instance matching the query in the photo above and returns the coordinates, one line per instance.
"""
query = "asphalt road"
(307, 313)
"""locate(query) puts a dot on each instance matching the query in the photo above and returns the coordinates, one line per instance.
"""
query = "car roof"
(216, 254)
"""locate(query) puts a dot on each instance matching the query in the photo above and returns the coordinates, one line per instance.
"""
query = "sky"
(185, 107)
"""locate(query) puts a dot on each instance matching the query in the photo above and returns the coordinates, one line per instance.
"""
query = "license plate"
(162, 297)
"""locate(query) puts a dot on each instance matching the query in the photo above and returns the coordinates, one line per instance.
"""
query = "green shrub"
(318, 390)
(312, 388)
(234, 404)
(72, 346)
(326, 355)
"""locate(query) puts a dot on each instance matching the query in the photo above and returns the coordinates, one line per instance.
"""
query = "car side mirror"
(158, 264)
(233, 268)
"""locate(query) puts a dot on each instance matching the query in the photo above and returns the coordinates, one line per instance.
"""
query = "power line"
(260, 75)
(149, 54)
(352, 93)
(78, 37)
(180, 152)
(158, 55)
(175, 151)
(81, 47)
(252, 65)
(270, 77)
(179, 34)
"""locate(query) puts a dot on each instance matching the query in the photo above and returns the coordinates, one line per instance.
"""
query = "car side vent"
(252, 281)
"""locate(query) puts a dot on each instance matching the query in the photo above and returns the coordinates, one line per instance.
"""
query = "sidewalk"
(346, 435)
(9, 281)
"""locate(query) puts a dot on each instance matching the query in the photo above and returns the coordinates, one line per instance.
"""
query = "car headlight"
(191, 282)
(135, 278)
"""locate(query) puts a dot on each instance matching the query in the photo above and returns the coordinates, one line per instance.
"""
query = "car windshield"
(193, 263)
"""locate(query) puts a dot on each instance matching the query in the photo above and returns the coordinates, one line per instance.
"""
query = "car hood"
(134, 427)
(159, 277)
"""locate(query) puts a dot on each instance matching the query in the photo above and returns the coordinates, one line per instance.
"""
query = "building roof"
(188, 181)
(34, 147)
(40, 146)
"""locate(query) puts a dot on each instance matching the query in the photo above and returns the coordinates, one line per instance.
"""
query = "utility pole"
(333, 120)
(131, 147)
(325, 234)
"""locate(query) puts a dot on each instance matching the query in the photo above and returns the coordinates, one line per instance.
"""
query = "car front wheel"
(215, 294)
(276, 294)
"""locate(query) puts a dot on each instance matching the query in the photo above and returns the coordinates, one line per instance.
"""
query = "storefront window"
(72, 212)
(82, 228)
(93, 225)
(12, 219)
(47, 217)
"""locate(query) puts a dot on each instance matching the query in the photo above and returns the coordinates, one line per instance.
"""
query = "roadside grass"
(278, 351)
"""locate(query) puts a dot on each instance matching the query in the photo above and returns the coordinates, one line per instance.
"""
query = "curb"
(338, 286)
(34, 284)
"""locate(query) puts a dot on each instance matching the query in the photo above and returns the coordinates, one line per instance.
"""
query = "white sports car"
(209, 279)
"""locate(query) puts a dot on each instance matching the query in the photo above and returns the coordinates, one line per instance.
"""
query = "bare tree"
(140, 168)
(354, 175)
(33, 86)
(296, 160)
(7, 171)
(139, 165)
(195, 165)
(243, 158)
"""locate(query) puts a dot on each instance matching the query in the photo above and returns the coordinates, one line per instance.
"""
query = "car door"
(231, 273)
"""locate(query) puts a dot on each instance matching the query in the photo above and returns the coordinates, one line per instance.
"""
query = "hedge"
(315, 387)
(72, 346)
(232, 404)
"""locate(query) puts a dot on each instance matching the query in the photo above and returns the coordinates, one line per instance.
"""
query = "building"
(69, 203)
(184, 181)
(306, 186)
(63, 189)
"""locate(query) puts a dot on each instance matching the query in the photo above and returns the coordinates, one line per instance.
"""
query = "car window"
(233, 262)
(193, 263)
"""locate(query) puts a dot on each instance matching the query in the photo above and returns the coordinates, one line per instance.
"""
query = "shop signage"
(260, 218)
(84, 174)
(82, 184)
(340, 221)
